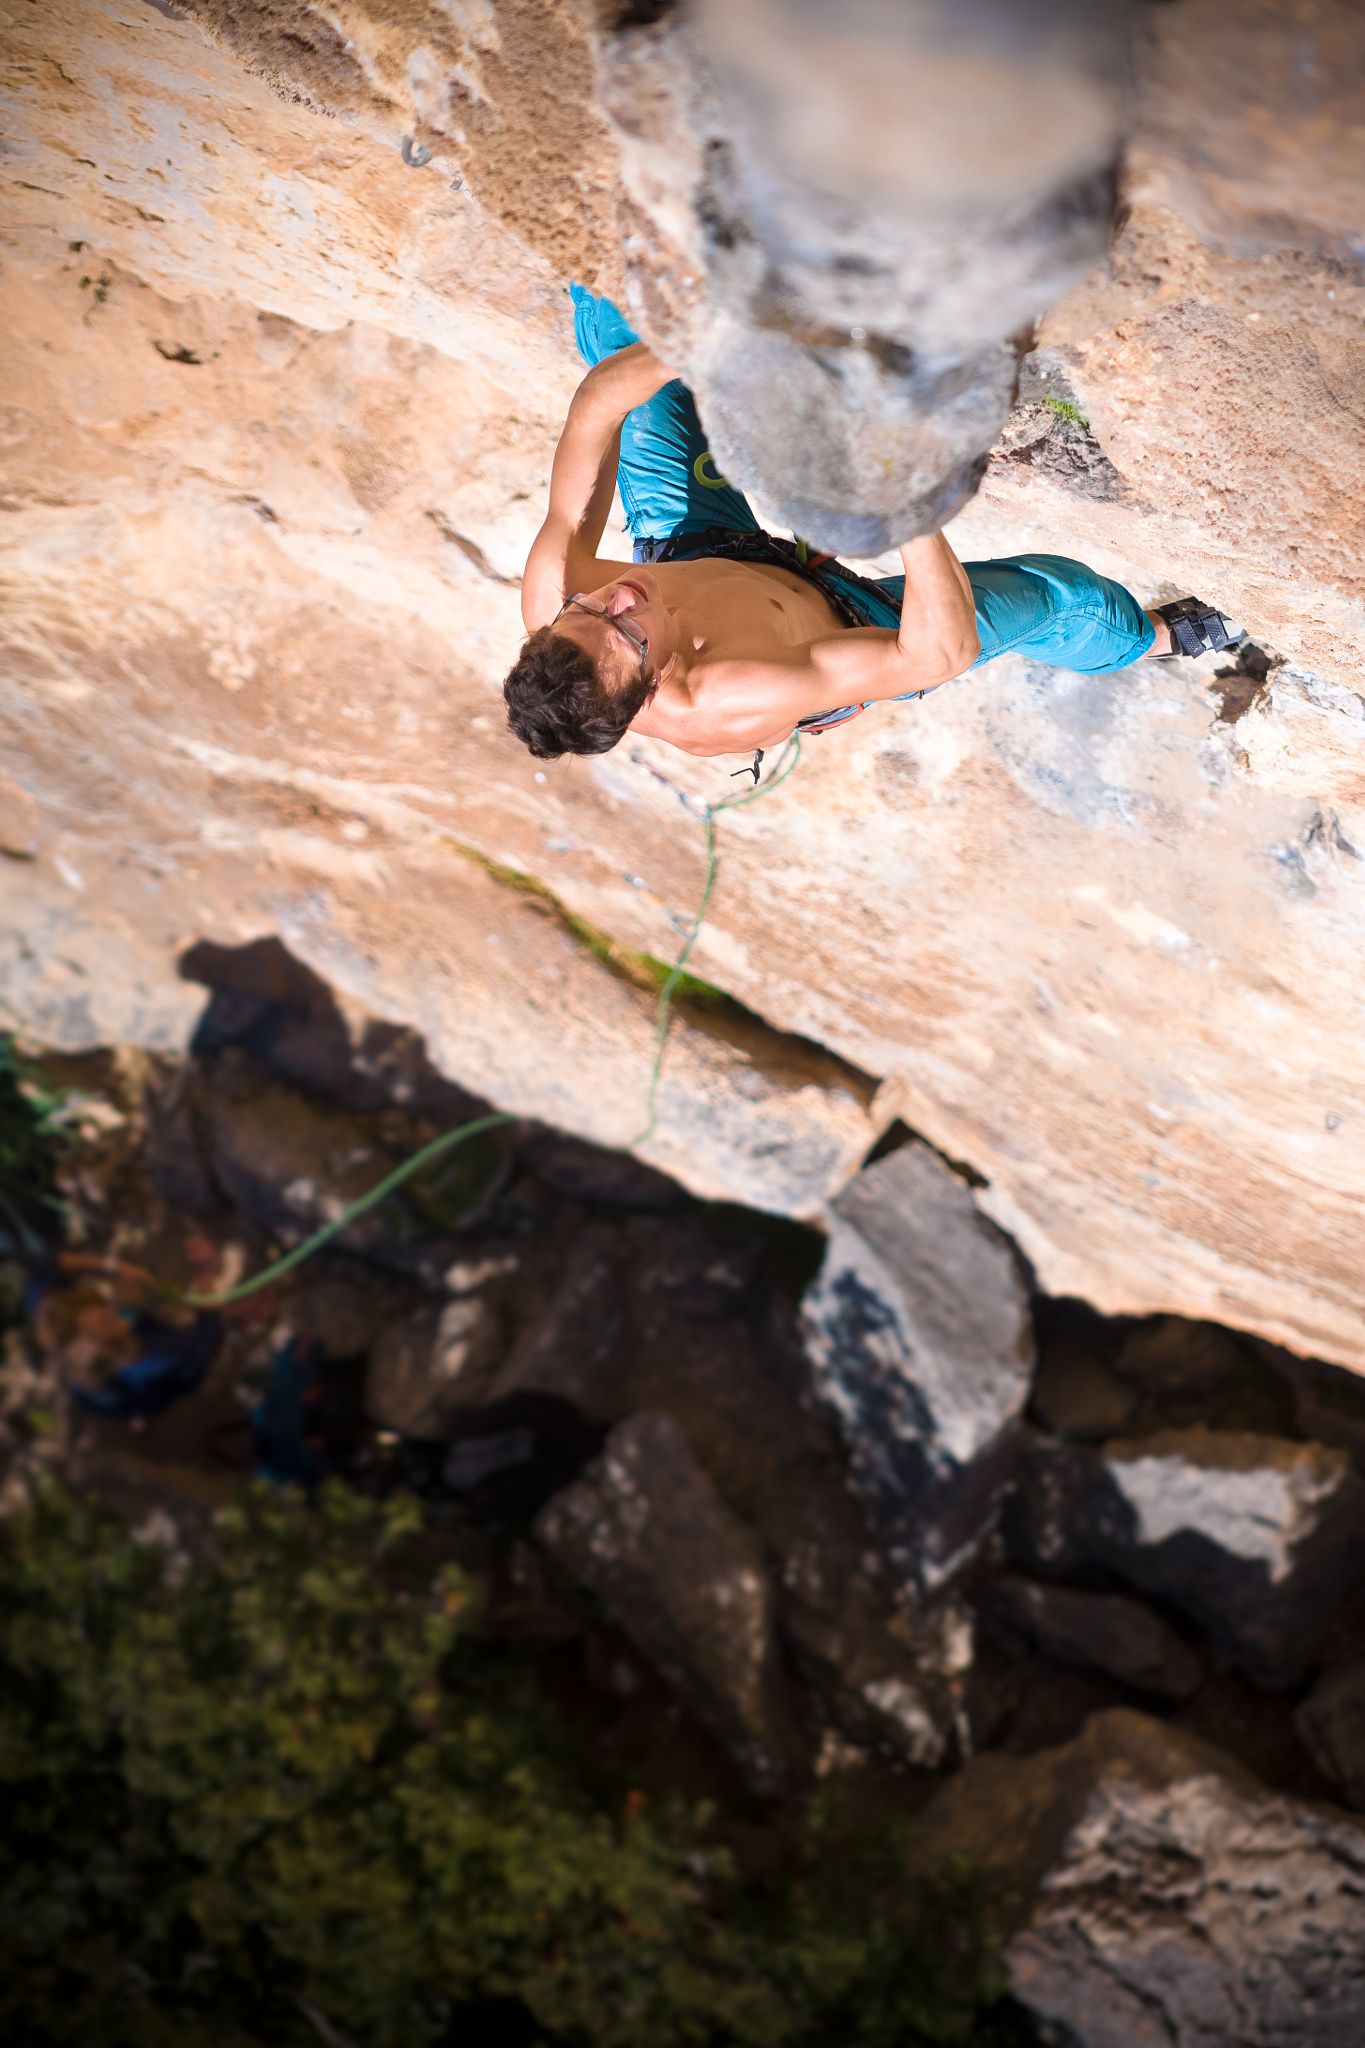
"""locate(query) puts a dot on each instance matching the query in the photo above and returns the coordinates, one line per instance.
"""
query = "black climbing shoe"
(1197, 628)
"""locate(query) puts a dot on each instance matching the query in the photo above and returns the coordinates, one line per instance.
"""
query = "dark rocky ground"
(775, 1506)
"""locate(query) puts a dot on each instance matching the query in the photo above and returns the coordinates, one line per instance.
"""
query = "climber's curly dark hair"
(558, 704)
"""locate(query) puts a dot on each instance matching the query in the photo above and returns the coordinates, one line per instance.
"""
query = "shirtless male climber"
(729, 639)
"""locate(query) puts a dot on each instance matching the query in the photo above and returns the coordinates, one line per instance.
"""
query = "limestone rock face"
(278, 414)
(919, 1335)
(645, 1531)
(1164, 1899)
(1247, 180)
(864, 294)
(497, 98)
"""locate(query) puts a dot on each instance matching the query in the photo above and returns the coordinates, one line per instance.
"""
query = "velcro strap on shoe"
(1186, 634)
(1195, 628)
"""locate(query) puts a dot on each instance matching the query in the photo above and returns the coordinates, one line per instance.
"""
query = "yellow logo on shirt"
(710, 483)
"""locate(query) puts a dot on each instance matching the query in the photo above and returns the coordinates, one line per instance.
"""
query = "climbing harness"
(437, 1148)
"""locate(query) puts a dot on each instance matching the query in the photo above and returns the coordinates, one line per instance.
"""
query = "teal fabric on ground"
(1047, 607)
(667, 480)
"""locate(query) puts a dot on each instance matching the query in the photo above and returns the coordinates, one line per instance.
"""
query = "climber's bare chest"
(742, 611)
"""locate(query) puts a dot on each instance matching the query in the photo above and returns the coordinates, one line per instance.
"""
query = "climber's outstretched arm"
(756, 703)
(564, 556)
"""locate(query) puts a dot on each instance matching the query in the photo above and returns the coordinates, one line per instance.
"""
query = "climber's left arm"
(745, 704)
(564, 556)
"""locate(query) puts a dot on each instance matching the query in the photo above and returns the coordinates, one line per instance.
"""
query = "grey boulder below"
(1101, 1631)
(1158, 1897)
(572, 1348)
(888, 1675)
(434, 1362)
(1331, 1722)
(645, 1531)
(919, 1335)
(1253, 1537)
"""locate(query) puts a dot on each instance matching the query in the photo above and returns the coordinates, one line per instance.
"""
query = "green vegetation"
(1065, 410)
(32, 1133)
(644, 970)
(286, 1792)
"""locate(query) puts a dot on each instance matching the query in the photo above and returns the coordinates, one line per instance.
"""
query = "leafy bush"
(32, 1132)
(284, 1792)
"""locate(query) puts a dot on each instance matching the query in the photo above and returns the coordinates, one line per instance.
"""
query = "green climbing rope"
(787, 761)
(462, 1133)
(362, 1205)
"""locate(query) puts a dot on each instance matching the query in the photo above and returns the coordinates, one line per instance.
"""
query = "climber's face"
(624, 626)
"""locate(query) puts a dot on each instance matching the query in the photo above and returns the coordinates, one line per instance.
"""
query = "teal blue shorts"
(1047, 607)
